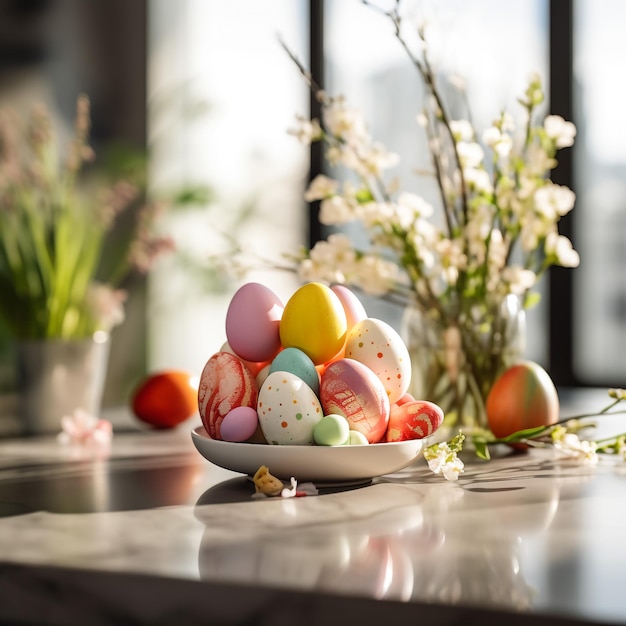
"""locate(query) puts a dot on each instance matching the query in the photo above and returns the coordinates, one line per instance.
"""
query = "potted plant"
(59, 283)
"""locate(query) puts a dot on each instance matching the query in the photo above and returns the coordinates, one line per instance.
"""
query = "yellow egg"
(314, 321)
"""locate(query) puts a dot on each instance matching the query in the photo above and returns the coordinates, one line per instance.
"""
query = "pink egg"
(239, 424)
(413, 420)
(351, 389)
(355, 311)
(225, 384)
(253, 322)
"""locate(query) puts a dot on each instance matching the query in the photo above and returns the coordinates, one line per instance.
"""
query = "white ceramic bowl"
(309, 463)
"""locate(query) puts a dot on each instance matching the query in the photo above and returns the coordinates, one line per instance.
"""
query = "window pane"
(600, 171)
(222, 96)
(493, 46)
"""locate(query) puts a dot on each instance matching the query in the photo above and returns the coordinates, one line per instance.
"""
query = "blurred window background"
(599, 284)
(205, 89)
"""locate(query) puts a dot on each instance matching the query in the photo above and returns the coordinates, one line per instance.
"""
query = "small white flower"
(376, 276)
(345, 123)
(416, 204)
(570, 446)
(500, 142)
(554, 201)
(307, 131)
(332, 260)
(379, 158)
(519, 279)
(470, 154)
(442, 460)
(561, 247)
(321, 187)
(560, 131)
(337, 210)
(477, 178)
(462, 130)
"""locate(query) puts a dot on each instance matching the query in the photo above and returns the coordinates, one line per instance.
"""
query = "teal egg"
(296, 362)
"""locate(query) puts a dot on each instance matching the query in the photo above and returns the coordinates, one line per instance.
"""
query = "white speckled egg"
(288, 410)
(377, 345)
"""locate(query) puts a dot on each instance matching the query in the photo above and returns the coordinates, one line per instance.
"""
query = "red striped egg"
(225, 384)
(415, 419)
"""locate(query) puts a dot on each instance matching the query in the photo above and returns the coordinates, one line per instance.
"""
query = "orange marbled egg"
(524, 396)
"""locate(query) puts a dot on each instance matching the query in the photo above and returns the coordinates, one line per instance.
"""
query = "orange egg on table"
(524, 396)
(165, 399)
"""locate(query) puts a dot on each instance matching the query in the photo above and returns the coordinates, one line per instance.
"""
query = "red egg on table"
(165, 399)
(253, 323)
(413, 420)
(225, 384)
(351, 389)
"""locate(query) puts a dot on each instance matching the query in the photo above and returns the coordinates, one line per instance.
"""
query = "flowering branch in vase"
(463, 265)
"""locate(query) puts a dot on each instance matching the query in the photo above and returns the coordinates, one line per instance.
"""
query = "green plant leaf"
(482, 450)
(527, 433)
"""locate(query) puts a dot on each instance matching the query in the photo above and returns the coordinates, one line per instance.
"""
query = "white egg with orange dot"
(378, 346)
(288, 410)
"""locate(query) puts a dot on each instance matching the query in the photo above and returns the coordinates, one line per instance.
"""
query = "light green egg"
(331, 430)
(355, 438)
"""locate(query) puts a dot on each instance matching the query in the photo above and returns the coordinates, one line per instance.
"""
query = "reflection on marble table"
(523, 533)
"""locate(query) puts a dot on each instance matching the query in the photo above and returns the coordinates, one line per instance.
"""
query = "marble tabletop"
(151, 532)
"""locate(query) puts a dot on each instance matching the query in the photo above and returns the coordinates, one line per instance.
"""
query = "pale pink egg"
(355, 311)
(239, 424)
(351, 389)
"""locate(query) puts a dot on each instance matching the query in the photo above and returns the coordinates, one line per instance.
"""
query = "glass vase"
(456, 359)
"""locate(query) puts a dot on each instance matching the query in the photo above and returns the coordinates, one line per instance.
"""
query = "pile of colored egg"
(316, 370)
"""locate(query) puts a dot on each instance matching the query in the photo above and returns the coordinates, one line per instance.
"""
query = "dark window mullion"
(316, 65)
(560, 92)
